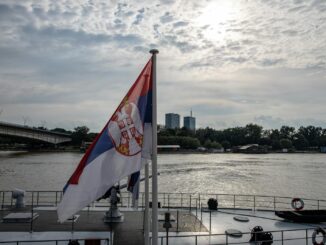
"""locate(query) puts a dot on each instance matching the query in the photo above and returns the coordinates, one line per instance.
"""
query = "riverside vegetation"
(309, 138)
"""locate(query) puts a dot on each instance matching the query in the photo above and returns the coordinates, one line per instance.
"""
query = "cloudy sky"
(69, 63)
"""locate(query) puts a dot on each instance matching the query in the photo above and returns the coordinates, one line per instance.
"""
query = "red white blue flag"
(118, 151)
(133, 187)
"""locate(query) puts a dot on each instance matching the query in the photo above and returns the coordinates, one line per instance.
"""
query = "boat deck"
(195, 226)
(130, 231)
(284, 232)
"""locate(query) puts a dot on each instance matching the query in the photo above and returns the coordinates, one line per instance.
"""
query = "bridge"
(16, 130)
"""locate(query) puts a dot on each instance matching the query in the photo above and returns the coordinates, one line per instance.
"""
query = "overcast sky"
(69, 63)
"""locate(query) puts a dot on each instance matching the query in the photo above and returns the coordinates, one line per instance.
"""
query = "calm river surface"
(302, 175)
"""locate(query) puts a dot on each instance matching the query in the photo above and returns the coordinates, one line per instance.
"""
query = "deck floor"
(126, 233)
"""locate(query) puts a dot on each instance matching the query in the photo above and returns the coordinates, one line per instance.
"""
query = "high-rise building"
(172, 120)
(189, 122)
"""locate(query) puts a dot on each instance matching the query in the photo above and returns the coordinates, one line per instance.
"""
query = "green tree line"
(286, 137)
(302, 138)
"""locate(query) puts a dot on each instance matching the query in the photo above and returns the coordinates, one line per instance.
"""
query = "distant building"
(168, 147)
(172, 120)
(251, 148)
(189, 122)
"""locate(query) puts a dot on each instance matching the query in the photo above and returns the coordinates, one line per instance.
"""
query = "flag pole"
(146, 221)
(154, 155)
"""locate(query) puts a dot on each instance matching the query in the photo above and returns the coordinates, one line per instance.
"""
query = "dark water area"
(302, 175)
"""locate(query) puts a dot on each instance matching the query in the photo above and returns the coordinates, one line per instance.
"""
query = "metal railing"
(281, 236)
(105, 241)
(173, 200)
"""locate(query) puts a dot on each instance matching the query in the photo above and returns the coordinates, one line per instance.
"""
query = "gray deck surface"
(128, 232)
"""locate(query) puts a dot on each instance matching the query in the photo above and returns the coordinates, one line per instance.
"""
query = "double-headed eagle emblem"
(126, 130)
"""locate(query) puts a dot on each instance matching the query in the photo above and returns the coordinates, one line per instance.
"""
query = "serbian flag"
(119, 150)
(133, 187)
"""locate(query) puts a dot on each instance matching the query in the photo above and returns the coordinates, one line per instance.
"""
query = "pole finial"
(154, 51)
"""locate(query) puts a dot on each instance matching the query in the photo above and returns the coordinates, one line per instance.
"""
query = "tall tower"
(172, 120)
(189, 122)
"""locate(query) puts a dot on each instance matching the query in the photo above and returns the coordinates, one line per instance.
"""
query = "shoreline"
(181, 151)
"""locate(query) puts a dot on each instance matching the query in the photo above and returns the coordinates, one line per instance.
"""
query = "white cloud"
(233, 62)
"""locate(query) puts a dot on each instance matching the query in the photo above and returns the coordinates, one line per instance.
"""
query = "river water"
(302, 175)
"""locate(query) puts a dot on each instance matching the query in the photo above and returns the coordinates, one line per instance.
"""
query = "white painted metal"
(154, 154)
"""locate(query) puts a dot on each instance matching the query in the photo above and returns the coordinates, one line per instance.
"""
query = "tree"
(300, 142)
(212, 144)
(312, 134)
(286, 143)
(226, 144)
(61, 130)
(188, 142)
(287, 132)
(253, 133)
(276, 145)
(167, 132)
(274, 134)
(79, 135)
(236, 136)
(204, 134)
(185, 132)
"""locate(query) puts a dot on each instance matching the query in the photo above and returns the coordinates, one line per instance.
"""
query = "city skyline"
(172, 121)
(68, 63)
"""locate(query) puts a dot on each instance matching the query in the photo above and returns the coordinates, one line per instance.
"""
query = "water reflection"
(271, 174)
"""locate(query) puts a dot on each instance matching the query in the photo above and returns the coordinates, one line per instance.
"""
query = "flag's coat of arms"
(116, 152)
(126, 130)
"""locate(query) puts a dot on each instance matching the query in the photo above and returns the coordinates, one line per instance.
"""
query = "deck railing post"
(282, 236)
(317, 204)
(164, 199)
(168, 201)
(199, 198)
(3, 200)
(128, 200)
(274, 203)
(142, 199)
(181, 200)
(72, 224)
(196, 207)
(216, 198)
(234, 201)
(32, 213)
(177, 220)
(196, 240)
(306, 236)
(37, 198)
(210, 221)
(11, 200)
(226, 239)
(56, 198)
(254, 203)
(190, 203)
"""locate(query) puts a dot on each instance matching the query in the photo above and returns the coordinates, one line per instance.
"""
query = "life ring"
(295, 201)
(315, 233)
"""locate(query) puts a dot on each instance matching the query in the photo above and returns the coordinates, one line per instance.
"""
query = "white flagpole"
(154, 155)
(146, 228)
